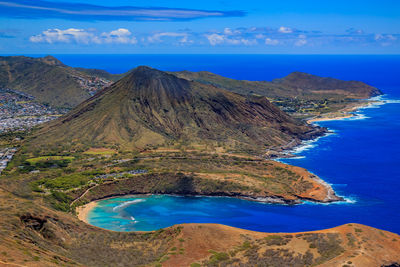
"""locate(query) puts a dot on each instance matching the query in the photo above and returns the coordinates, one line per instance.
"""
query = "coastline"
(83, 211)
(345, 113)
(331, 197)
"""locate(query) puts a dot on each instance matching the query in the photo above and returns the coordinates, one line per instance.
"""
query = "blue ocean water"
(361, 159)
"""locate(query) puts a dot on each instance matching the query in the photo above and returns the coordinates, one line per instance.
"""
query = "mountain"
(51, 82)
(54, 83)
(295, 85)
(301, 83)
(149, 107)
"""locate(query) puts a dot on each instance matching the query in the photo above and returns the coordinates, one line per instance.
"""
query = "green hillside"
(300, 94)
(50, 81)
(152, 108)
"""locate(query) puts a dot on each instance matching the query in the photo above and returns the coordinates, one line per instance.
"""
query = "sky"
(200, 27)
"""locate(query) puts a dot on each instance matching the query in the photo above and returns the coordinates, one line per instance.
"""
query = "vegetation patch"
(276, 240)
(100, 151)
(49, 159)
(63, 182)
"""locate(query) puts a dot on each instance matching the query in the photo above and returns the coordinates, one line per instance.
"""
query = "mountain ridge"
(149, 107)
(50, 81)
(294, 84)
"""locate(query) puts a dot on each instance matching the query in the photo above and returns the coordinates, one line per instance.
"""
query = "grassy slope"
(205, 174)
(101, 73)
(151, 108)
(49, 84)
(50, 81)
(47, 79)
(302, 95)
(296, 84)
(34, 235)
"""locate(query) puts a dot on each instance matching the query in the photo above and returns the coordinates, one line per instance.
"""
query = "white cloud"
(260, 36)
(156, 38)
(82, 36)
(383, 37)
(300, 42)
(354, 31)
(269, 41)
(120, 36)
(64, 36)
(248, 41)
(231, 37)
(283, 29)
(215, 38)
(229, 31)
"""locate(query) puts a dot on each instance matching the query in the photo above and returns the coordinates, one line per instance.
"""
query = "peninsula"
(152, 132)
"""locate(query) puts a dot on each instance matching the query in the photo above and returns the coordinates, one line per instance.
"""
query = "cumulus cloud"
(120, 36)
(269, 41)
(158, 37)
(252, 36)
(283, 29)
(229, 31)
(82, 36)
(385, 37)
(216, 39)
(64, 36)
(301, 40)
(248, 41)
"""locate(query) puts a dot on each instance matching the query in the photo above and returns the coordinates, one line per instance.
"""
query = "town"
(91, 84)
(6, 155)
(20, 112)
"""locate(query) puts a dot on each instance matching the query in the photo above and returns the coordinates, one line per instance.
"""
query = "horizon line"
(183, 54)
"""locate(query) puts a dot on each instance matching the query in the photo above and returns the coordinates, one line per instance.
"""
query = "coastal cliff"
(34, 235)
(154, 133)
(306, 186)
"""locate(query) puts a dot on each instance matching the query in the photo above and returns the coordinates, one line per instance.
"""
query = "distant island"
(184, 133)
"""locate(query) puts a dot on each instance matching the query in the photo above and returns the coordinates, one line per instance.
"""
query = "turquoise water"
(361, 159)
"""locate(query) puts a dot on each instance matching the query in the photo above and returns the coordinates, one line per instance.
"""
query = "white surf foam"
(345, 201)
(125, 204)
(357, 117)
(307, 145)
(379, 101)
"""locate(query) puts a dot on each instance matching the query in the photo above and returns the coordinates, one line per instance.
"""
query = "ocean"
(361, 158)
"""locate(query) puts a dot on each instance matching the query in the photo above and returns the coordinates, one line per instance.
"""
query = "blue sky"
(219, 26)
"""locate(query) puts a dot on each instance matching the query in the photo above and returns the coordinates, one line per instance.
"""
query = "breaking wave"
(125, 204)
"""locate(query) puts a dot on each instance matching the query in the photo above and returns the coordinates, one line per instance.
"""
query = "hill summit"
(149, 108)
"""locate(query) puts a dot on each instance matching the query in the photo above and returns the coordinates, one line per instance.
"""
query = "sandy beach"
(347, 116)
(345, 113)
(84, 210)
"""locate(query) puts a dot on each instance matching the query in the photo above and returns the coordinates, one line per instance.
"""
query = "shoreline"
(345, 113)
(84, 210)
